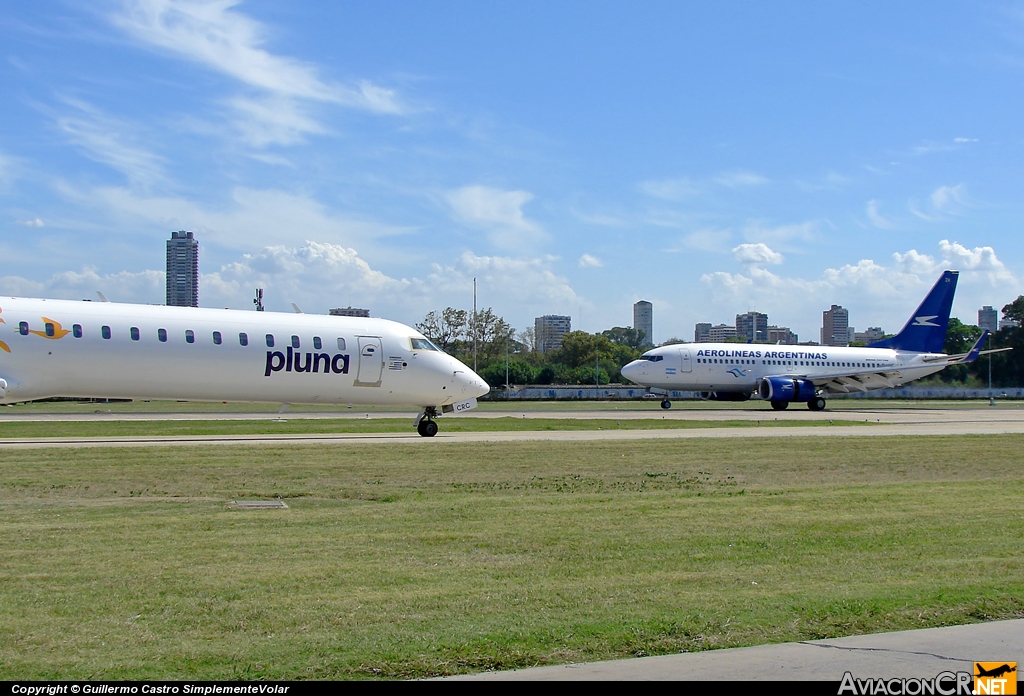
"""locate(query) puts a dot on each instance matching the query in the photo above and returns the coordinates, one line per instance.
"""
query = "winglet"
(925, 331)
(975, 350)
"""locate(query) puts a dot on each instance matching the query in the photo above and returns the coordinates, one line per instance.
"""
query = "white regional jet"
(783, 374)
(54, 348)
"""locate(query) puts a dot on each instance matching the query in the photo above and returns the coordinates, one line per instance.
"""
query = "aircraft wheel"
(427, 428)
(816, 404)
(780, 405)
(666, 404)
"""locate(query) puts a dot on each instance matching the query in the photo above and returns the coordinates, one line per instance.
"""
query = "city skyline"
(703, 158)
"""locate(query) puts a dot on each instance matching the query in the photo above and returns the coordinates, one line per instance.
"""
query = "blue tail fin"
(925, 332)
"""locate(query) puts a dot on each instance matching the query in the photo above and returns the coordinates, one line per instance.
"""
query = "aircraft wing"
(847, 381)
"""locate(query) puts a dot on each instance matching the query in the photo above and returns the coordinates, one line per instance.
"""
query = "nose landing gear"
(666, 404)
(425, 424)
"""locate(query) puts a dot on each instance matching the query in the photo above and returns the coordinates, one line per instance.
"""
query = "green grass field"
(408, 561)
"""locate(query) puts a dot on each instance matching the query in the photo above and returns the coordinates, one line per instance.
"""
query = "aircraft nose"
(472, 384)
(631, 370)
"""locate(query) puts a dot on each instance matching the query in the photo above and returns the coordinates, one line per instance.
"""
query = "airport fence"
(625, 393)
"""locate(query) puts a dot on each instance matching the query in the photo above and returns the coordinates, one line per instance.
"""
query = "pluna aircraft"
(51, 348)
(784, 374)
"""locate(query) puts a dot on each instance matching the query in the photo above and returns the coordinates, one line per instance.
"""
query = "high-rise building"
(988, 318)
(549, 330)
(349, 312)
(751, 322)
(835, 326)
(643, 320)
(702, 332)
(182, 270)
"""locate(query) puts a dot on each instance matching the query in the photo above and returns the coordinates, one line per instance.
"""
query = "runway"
(921, 654)
(876, 423)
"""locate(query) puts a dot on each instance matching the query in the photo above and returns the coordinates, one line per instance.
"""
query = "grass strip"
(398, 561)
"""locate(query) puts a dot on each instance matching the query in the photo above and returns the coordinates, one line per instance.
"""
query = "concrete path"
(922, 654)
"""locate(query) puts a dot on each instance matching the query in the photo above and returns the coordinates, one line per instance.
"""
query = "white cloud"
(124, 286)
(944, 201)
(112, 142)
(669, 189)
(249, 218)
(588, 261)
(529, 285)
(709, 240)
(739, 179)
(498, 212)
(756, 254)
(218, 36)
(35, 222)
(877, 295)
(876, 218)
(965, 140)
(782, 234)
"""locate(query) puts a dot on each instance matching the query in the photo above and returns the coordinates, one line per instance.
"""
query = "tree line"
(504, 356)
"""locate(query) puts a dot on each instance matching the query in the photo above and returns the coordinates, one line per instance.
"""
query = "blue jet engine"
(786, 389)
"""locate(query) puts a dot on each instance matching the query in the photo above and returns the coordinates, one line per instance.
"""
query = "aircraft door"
(685, 363)
(371, 361)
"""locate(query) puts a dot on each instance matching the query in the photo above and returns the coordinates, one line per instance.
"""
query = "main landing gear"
(816, 404)
(780, 405)
(666, 404)
(425, 423)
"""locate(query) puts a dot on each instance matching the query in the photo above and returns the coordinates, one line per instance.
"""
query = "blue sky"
(574, 156)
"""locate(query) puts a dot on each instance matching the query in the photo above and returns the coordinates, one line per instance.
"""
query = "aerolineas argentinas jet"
(54, 348)
(783, 374)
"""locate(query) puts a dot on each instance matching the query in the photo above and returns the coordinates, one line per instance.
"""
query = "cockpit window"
(652, 358)
(423, 344)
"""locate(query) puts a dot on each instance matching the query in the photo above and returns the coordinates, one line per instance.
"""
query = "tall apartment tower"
(835, 326)
(988, 318)
(643, 320)
(752, 325)
(182, 270)
(549, 330)
(702, 332)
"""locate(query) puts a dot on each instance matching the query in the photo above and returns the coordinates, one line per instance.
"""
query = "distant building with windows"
(720, 333)
(873, 333)
(988, 318)
(643, 320)
(549, 331)
(752, 326)
(349, 312)
(182, 270)
(781, 335)
(1005, 323)
(835, 326)
(702, 332)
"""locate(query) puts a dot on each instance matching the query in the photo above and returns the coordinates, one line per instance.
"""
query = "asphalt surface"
(905, 654)
(877, 423)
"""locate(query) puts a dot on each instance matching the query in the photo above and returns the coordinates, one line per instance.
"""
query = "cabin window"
(243, 339)
(23, 328)
(190, 336)
(51, 331)
(295, 342)
(217, 338)
(135, 333)
(105, 332)
(162, 335)
(270, 340)
(317, 343)
(76, 330)
(341, 344)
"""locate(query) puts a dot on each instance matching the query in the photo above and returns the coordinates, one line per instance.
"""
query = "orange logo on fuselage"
(3, 346)
(57, 332)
